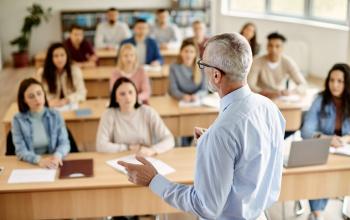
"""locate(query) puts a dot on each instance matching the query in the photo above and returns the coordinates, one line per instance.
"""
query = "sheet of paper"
(161, 167)
(32, 175)
(345, 150)
(212, 100)
(184, 104)
(149, 68)
(68, 107)
(290, 98)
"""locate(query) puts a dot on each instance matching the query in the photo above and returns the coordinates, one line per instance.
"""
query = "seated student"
(37, 129)
(329, 116)
(250, 33)
(270, 73)
(146, 47)
(186, 81)
(62, 82)
(166, 34)
(199, 30)
(127, 125)
(110, 33)
(128, 66)
(80, 49)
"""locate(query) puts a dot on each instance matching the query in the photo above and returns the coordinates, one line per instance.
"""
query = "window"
(290, 7)
(248, 6)
(332, 11)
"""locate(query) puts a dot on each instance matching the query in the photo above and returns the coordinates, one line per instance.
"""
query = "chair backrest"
(11, 150)
(10, 147)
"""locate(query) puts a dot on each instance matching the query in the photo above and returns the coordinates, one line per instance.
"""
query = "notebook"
(77, 168)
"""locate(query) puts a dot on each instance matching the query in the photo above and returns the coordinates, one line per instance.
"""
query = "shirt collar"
(234, 96)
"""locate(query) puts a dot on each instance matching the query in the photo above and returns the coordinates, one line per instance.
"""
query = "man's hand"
(140, 174)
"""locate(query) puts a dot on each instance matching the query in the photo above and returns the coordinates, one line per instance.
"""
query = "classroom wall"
(12, 13)
(326, 46)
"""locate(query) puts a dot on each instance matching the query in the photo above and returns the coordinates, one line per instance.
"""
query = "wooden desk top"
(104, 175)
(164, 105)
(103, 53)
(182, 159)
(104, 73)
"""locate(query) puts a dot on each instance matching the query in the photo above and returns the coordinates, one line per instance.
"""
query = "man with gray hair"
(239, 158)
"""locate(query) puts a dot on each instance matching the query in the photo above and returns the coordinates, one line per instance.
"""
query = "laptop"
(307, 152)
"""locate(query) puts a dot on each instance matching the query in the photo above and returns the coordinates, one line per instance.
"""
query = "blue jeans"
(318, 204)
(186, 141)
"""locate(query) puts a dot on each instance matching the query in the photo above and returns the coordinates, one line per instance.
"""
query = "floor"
(9, 82)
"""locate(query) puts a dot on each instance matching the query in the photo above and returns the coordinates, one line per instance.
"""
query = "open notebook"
(160, 166)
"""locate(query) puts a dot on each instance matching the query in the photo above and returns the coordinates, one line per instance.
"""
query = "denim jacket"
(22, 135)
(316, 123)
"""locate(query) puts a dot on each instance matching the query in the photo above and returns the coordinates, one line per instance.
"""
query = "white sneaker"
(313, 217)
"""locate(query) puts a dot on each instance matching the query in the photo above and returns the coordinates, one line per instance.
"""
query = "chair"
(10, 147)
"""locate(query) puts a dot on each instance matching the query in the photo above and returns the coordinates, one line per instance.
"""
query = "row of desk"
(97, 80)
(109, 192)
(108, 57)
(180, 120)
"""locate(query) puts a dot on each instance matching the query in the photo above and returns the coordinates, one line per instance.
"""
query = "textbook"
(160, 166)
(77, 168)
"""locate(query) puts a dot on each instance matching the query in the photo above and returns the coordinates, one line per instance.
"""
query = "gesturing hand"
(140, 174)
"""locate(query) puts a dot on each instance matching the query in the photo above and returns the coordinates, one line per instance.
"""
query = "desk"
(97, 81)
(180, 121)
(108, 57)
(109, 192)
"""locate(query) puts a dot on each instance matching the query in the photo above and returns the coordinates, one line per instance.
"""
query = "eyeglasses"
(202, 65)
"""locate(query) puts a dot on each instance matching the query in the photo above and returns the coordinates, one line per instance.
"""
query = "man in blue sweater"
(146, 47)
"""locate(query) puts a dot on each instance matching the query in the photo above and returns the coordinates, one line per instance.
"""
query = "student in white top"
(127, 125)
(110, 33)
(165, 33)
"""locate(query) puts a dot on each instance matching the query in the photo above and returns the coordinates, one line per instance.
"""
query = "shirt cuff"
(58, 155)
(159, 184)
(37, 159)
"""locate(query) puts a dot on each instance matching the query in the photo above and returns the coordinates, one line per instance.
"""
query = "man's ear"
(217, 76)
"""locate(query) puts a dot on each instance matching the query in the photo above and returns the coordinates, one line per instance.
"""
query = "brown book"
(77, 168)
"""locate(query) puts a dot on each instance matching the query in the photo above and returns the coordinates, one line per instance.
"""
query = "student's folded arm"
(105, 135)
(162, 135)
(145, 87)
(311, 120)
(174, 89)
(297, 76)
(79, 85)
(99, 37)
(207, 197)
(63, 144)
(253, 77)
(21, 149)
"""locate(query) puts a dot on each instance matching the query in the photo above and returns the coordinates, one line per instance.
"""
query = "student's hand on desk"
(164, 46)
(194, 98)
(50, 162)
(155, 63)
(55, 103)
(286, 92)
(146, 152)
(187, 98)
(134, 147)
(140, 174)
(336, 141)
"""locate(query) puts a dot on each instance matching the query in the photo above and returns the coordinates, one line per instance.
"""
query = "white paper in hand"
(32, 175)
(161, 167)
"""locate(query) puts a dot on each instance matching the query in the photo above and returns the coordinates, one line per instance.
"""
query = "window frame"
(307, 14)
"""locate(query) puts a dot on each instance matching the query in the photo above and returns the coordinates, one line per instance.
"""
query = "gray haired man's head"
(230, 53)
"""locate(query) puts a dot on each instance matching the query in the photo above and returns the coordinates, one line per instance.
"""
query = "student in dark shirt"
(80, 49)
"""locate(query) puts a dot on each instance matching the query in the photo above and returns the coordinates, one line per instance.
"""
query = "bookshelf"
(182, 13)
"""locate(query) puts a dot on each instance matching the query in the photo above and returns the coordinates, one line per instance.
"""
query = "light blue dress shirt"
(239, 162)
